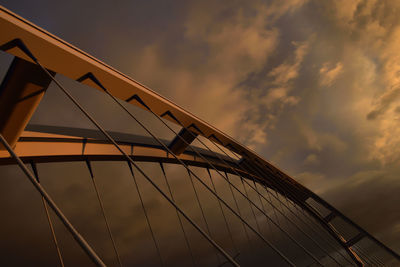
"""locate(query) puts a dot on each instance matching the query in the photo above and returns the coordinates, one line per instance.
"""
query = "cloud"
(317, 182)
(272, 97)
(318, 141)
(384, 103)
(288, 71)
(377, 30)
(279, 95)
(231, 45)
(311, 159)
(329, 74)
(229, 49)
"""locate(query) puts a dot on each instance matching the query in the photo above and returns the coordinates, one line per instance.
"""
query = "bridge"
(236, 209)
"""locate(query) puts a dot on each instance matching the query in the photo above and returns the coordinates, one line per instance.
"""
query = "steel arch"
(24, 39)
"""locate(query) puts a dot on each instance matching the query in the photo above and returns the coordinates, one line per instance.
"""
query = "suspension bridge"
(226, 204)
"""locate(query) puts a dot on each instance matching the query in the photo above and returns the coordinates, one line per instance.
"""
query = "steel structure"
(39, 56)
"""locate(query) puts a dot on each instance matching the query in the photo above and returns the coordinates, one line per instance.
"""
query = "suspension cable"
(221, 250)
(53, 233)
(201, 210)
(224, 217)
(314, 241)
(263, 196)
(146, 215)
(251, 206)
(230, 168)
(179, 217)
(103, 212)
(285, 189)
(238, 209)
(274, 208)
(131, 115)
(79, 239)
(205, 185)
(294, 196)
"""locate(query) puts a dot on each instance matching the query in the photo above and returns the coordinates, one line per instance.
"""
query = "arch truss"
(318, 232)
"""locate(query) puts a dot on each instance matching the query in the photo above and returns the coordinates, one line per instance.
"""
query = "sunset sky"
(312, 86)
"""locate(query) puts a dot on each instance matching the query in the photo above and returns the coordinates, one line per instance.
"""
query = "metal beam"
(355, 239)
(42, 147)
(353, 224)
(329, 217)
(177, 145)
(20, 93)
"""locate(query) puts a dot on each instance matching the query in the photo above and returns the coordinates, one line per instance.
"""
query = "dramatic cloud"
(328, 75)
(231, 43)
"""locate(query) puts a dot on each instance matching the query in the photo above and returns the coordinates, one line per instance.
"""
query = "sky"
(312, 86)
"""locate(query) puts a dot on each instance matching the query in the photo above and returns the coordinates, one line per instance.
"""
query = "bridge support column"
(20, 93)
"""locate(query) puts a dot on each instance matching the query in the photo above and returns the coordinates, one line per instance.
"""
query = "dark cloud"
(371, 194)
